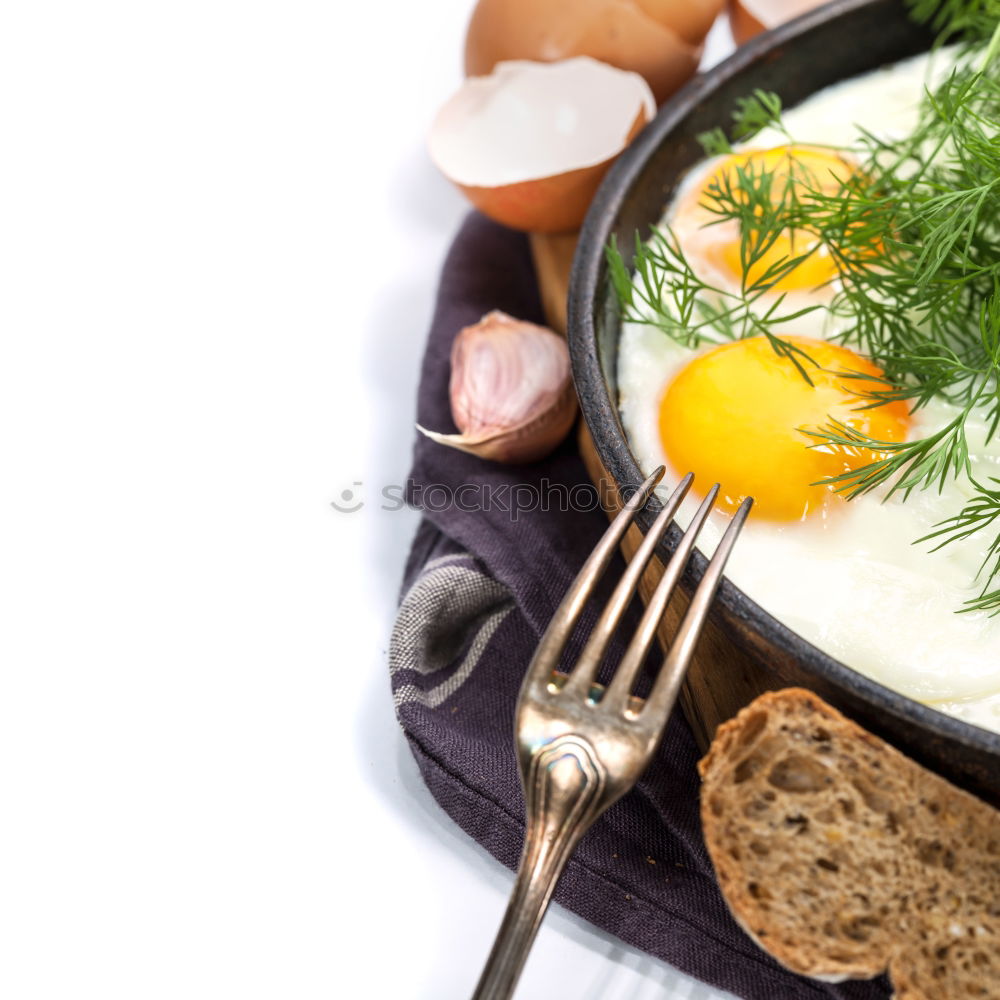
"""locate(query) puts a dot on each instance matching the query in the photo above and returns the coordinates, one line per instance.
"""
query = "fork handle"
(563, 786)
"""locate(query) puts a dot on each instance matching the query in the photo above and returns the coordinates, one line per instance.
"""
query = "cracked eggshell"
(659, 39)
(529, 144)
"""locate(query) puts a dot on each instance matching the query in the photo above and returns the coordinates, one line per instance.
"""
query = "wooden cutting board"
(722, 678)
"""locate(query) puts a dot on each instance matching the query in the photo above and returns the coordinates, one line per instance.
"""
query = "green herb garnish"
(915, 233)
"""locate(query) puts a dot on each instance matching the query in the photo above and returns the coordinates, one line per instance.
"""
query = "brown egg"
(529, 144)
(748, 18)
(659, 39)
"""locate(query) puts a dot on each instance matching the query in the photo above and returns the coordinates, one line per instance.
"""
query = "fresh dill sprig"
(902, 466)
(667, 293)
(927, 311)
(715, 142)
(756, 112)
(751, 114)
(971, 19)
(979, 513)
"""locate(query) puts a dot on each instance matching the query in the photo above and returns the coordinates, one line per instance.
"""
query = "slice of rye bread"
(844, 859)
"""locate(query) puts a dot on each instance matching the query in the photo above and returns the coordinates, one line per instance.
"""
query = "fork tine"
(589, 662)
(616, 696)
(675, 663)
(554, 638)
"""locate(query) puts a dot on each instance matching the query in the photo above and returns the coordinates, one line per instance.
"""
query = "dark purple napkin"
(496, 549)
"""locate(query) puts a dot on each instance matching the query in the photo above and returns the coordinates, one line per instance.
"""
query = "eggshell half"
(659, 39)
(529, 144)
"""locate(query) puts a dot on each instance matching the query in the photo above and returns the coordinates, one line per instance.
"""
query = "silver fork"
(581, 747)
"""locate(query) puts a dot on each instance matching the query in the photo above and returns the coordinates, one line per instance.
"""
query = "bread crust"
(843, 858)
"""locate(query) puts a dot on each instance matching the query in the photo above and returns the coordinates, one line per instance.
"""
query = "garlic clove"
(512, 395)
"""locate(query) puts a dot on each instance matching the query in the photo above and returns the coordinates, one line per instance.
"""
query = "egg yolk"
(736, 415)
(795, 170)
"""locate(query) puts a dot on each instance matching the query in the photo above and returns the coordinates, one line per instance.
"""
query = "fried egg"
(739, 412)
(846, 575)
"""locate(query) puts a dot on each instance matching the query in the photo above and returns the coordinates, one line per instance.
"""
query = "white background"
(219, 239)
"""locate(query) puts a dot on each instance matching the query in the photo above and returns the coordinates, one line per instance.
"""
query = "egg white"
(854, 584)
